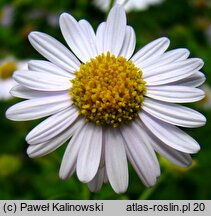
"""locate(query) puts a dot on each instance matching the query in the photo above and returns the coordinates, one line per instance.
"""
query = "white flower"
(129, 5)
(7, 67)
(112, 106)
(206, 101)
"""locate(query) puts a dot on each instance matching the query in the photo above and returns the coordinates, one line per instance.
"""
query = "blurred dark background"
(187, 23)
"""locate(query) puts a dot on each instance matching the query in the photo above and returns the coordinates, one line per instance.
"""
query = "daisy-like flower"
(206, 101)
(129, 5)
(7, 67)
(111, 104)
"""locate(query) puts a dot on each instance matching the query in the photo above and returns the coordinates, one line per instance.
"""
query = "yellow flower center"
(108, 90)
(6, 69)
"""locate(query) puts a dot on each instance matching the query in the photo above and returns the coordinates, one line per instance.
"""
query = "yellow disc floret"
(108, 90)
(6, 69)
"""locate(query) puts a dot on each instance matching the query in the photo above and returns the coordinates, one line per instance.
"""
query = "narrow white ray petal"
(175, 94)
(102, 162)
(75, 37)
(129, 43)
(48, 67)
(42, 81)
(90, 153)
(188, 64)
(116, 160)
(5, 86)
(115, 30)
(90, 35)
(172, 72)
(151, 51)
(38, 107)
(106, 181)
(44, 148)
(166, 58)
(173, 113)
(23, 92)
(141, 153)
(136, 166)
(176, 55)
(69, 159)
(103, 172)
(52, 126)
(96, 183)
(54, 51)
(141, 127)
(174, 156)
(102, 158)
(170, 134)
(195, 80)
(100, 34)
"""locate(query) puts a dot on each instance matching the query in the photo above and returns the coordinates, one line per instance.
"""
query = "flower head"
(7, 67)
(206, 101)
(111, 104)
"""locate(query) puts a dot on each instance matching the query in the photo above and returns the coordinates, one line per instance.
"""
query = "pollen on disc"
(108, 90)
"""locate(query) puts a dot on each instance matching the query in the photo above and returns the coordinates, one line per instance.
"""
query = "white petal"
(129, 43)
(166, 58)
(23, 92)
(54, 51)
(172, 72)
(100, 34)
(150, 51)
(91, 37)
(52, 126)
(71, 153)
(188, 64)
(195, 80)
(102, 159)
(42, 81)
(78, 41)
(5, 87)
(38, 107)
(115, 30)
(48, 67)
(176, 157)
(175, 94)
(173, 113)
(90, 153)
(96, 183)
(116, 160)
(51, 145)
(106, 181)
(101, 177)
(170, 134)
(141, 153)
